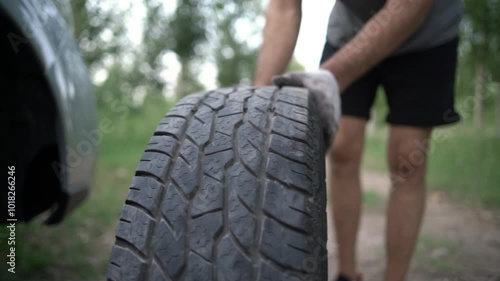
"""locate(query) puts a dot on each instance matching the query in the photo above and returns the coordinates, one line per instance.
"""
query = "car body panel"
(45, 30)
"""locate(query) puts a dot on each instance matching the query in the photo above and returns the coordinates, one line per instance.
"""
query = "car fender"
(44, 29)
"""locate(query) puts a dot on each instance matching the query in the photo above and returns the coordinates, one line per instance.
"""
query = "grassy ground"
(74, 249)
(372, 201)
(433, 254)
(462, 163)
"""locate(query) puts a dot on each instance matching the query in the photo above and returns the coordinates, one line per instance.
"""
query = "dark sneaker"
(342, 277)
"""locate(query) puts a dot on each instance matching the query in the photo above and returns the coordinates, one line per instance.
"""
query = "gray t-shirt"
(440, 26)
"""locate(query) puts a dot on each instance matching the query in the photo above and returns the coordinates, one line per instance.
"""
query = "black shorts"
(419, 86)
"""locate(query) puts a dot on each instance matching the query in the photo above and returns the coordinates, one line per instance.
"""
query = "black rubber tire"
(231, 187)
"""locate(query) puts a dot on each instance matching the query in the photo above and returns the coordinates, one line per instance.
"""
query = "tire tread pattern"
(231, 187)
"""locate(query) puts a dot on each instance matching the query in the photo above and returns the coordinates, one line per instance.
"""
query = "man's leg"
(345, 189)
(407, 154)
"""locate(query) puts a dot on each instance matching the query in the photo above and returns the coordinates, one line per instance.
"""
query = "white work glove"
(325, 89)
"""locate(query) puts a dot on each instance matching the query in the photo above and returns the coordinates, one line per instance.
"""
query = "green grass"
(461, 163)
(372, 200)
(437, 254)
(78, 248)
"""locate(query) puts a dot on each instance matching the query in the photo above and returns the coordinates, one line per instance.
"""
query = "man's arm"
(380, 37)
(280, 36)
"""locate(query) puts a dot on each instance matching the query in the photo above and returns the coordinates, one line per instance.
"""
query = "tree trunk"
(497, 109)
(187, 81)
(478, 94)
(181, 87)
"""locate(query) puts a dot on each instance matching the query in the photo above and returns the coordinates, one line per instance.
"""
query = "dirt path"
(457, 243)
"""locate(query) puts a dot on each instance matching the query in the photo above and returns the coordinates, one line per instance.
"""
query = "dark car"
(48, 109)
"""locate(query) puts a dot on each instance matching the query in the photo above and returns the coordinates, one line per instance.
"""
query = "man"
(408, 47)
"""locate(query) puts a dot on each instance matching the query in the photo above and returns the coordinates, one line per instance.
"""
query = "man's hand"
(325, 89)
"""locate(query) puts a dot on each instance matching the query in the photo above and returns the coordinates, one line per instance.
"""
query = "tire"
(231, 187)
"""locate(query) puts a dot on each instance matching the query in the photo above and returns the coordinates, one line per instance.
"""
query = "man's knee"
(407, 161)
(345, 156)
(345, 153)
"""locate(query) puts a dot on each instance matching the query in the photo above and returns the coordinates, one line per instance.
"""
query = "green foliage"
(203, 31)
(187, 29)
(467, 168)
(479, 60)
(480, 30)
(234, 58)
(98, 31)
(184, 32)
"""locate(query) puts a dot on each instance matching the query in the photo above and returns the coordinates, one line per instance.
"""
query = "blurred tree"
(497, 109)
(480, 34)
(100, 30)
(156, 40)
(124, 69)
(101, 34)
(234, 57)
(97, 30)
(185, 32)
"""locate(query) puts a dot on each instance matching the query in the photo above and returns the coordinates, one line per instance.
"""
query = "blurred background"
(144, 55)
